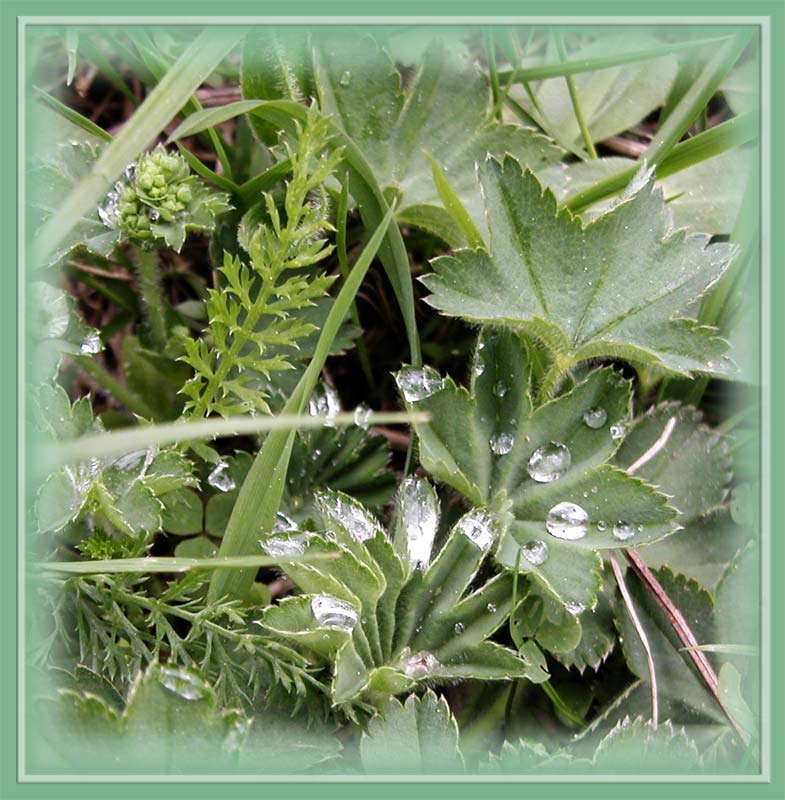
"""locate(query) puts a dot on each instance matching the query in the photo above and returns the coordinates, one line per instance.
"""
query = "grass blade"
(602, 62)
(115, 443)
(72, 116)
(154, 564)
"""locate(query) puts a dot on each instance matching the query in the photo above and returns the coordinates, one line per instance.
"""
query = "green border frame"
(770, 15)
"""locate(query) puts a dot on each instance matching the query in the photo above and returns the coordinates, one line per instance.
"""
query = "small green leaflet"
(395, 126)
(612, 289)
(491, 445)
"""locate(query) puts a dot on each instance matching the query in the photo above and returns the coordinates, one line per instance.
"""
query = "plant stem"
(685, 634)
(112, 386)
(553, 377)
(150, 287)
(576, 106)
(343, 262)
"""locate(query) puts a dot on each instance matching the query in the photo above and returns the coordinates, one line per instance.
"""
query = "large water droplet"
(502, 443)
(535, 552)
(478, 527)
(549, 462)
(575, 608)
(567, 521)
(361, 416)
(183, 683)
(346, 78)
(324, 402)
(458, 628)
(220, 478)
(91, 344)
(623, 530)
(595, 417)
(293, 545)
(349, 514)
(419, 516)
(418, 383)
(283, 523)
(330, 612)
(419, 665)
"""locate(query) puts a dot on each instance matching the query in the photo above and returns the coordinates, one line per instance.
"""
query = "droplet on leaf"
(567, 521)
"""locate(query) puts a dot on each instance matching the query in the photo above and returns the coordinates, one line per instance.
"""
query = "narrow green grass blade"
(205, 172)
(454, 206)
(260, 496)
(695, 100)
(716, 140)
(251, 191)
(161, 105)
(208, 117)
(602, 62)
(154, 564)
(126, 440)
(71, 115)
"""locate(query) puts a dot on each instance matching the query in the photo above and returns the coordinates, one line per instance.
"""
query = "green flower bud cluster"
(158, 199)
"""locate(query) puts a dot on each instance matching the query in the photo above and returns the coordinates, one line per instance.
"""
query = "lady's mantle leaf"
(395, 126)
(418, 737)
(673, 450)
(486, 442)
(611, 289)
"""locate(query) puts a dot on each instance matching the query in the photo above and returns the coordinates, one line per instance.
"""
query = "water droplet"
(594, 490)
(575, 608)
(324, 402)
(491, 608)
(154, 214)
(349, 514)
(477, 526)
(418, 509)
(419, 664)
(330, 612)
(595, 417)
(710, 364)
(602, 525)
(479, 368)
(130, 171)
(220, 478)
(535, 552)
(458, 628)
(293, 545)
(549, 462)
(623, 530)
(283, 523)
(417, 384)
(91, 344)
(500, 389)
(567, 521)
(346, 78)
(183, 683)
(361, 416)
(502, 443)
(618, 429)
